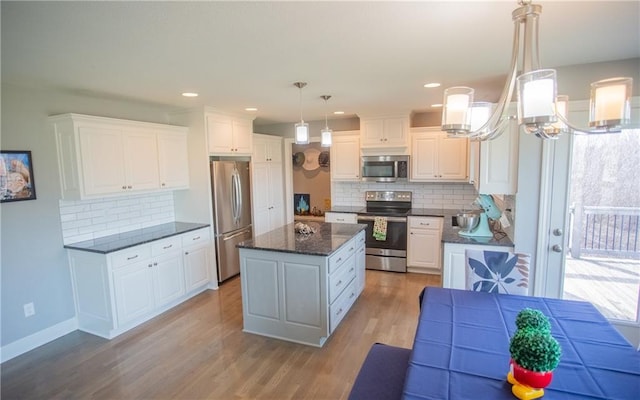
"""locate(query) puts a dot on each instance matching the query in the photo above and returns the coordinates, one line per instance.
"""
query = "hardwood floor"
(198, 350)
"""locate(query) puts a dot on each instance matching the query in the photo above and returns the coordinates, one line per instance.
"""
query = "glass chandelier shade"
(326, 133)
(301, 134)
(540, 110)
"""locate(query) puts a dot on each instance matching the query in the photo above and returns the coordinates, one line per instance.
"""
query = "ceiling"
(373, 58)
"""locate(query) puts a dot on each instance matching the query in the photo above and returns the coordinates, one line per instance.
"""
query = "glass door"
(593, 216)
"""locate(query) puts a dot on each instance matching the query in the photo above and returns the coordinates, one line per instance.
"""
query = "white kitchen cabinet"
(384, 132)
(297, 297)
(361, 261)
(229, 134)
(267, 184)
(453, 266)
(438, 158)
(266, 148)
(117, 291)
(424, 244)
(494, 163)
(173, 160)
(196, 247)
(341, 218)
(100, 157)
(345, 156)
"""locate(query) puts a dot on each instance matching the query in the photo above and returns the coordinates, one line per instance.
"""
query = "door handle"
(557, 248)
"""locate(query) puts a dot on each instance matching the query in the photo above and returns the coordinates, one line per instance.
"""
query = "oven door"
(389, 254)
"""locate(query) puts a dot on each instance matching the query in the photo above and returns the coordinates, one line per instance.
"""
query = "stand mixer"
(490, 211)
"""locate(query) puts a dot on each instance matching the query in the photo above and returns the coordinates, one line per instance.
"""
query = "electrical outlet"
(29, 310)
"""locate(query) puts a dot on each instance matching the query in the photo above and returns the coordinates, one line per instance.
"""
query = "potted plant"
(534, 355)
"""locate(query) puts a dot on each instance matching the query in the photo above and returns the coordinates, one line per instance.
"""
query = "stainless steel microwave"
(385, 168)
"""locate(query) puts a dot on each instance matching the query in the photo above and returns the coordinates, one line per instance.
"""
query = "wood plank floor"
(198, 351)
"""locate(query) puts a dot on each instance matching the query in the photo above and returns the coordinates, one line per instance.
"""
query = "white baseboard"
(37, 339)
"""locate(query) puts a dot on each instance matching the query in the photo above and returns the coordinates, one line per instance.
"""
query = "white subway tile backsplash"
(425, 195)
(89, 219)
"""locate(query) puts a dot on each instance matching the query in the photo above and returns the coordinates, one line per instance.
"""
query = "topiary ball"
(535, 350)
(530, 318)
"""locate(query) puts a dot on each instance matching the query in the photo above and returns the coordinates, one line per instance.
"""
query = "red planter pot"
(533, 379)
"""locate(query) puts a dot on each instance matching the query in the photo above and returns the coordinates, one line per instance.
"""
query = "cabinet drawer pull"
(351, 249)
(339, 312)
(339, 259)
(131, 258)
(196, 238)
(339, 283)
(352, 295)
(167, 247)
(149, 265)
(186, 253)
(340, 219)
(351, 270)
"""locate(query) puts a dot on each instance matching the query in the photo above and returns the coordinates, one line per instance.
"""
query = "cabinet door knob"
(186, 253)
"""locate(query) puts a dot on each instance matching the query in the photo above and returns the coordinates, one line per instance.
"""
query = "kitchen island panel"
(262, 294)
(302, 287)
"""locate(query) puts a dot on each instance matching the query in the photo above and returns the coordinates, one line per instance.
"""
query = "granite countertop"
(325, 241)
(111, 243)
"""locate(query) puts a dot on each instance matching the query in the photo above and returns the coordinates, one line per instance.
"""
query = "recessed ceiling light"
(190, 94)
(432, 85)
(338, 112)
(436, 105)
(251, 109)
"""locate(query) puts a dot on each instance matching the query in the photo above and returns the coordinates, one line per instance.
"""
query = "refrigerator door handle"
(234, 198)
(238, 200)
(235, 235)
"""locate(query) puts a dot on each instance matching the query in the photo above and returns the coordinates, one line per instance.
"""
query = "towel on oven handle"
(380, 228)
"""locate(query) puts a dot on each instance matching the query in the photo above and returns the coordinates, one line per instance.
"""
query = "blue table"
(461, 349)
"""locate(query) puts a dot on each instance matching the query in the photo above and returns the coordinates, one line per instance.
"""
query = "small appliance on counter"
(476, 223)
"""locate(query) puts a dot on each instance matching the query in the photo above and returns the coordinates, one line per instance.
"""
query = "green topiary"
(529, 318)
(535, 350)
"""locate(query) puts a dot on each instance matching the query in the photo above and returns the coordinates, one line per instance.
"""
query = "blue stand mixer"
(482, 228)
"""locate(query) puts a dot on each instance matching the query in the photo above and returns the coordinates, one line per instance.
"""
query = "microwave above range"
(385, 168)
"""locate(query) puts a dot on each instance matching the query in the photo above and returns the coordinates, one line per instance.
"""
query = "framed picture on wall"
(16, 176)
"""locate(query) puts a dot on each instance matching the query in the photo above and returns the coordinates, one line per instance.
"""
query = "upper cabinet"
(384, 132)
(438, 158)
(100, 156)
(266, 148)
(229, 134)
(345, 156)
(494, 163)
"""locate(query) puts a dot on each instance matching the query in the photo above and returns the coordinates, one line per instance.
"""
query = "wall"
(316, 182)
(34, 266)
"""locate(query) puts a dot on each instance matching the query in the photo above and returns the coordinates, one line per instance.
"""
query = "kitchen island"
(299, 287)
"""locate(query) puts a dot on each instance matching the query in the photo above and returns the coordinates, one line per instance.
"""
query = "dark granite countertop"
(325, 241)
(111, 243)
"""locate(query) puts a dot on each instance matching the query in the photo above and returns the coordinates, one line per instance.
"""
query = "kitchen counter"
(450, 232)
(298, 288)
(325, 241)
(111, 243)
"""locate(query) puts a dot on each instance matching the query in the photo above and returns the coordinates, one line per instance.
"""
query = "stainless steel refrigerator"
(231, 210)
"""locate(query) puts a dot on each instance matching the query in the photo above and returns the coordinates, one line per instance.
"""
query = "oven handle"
(390, 219)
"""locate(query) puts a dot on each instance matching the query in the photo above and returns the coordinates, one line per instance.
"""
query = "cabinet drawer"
(341, 278)
(360, 239)
(167, 245)
(197, 237)
(130, 255)
(336, 260)
(341, 306)
(341, 218)
(426, 223)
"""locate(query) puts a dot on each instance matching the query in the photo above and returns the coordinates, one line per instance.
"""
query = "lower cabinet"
(296, 297)
(424, 244)
(115, 292)
(453, 268)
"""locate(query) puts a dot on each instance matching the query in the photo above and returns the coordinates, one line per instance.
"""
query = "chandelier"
(540, 110)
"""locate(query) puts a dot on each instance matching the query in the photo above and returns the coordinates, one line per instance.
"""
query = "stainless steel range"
(389, 254)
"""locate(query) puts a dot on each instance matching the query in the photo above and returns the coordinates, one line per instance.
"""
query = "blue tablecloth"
(461, 349)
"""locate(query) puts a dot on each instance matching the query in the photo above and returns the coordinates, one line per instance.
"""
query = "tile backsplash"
(90, 219)
(425, 195)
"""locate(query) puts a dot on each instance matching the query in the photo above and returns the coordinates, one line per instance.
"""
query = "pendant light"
(540, 110)
(325, 134)
(301, 128)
